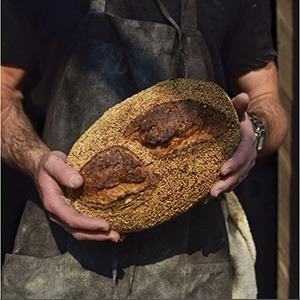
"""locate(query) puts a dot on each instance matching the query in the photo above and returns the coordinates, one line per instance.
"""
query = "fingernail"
(226, 172)
(105, 228)
(218, 192)
(76, 181)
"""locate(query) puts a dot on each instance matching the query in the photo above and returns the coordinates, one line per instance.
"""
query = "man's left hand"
(237, 168)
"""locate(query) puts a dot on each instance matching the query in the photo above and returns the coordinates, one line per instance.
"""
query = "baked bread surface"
(155, 155)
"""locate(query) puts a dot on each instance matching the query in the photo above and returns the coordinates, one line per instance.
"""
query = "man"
(90, 55)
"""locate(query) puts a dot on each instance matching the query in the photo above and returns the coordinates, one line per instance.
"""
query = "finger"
(234, 185)
(85, 234)
(245, 153)
(97, 236)
(112, 236)
(225, 185)
(55, 202)
(55, 165)
(230, 182)
(238, 161)
(240, 103)
(61, 212)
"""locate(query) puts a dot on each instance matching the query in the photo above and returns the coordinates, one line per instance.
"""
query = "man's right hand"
(53, 173)
(22, 148)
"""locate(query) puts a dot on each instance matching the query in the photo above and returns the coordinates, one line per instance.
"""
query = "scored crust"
(155, 155)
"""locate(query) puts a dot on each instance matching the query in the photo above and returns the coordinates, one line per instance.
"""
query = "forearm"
(20, 145)
(262, 87)
(22, 148)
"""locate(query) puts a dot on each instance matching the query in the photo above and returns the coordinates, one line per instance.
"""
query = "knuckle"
(72, 224)
(49, 161)
(56, 167)
(230, 183)
(59, 154)
(61, 174)
(240, 161)
(78, 236)
(48, 206)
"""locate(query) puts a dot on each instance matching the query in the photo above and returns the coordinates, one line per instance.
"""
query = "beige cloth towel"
(242, 248)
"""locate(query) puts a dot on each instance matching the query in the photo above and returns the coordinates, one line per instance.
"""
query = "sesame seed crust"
(185, 176)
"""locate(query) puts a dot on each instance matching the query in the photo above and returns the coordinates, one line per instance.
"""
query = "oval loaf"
(155, 155)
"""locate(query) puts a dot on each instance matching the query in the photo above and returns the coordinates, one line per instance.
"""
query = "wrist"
(37, 158)
(259, 130)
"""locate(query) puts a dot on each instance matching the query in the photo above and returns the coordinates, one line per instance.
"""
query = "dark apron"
(109, 59)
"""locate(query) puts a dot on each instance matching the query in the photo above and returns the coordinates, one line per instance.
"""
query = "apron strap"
(180, 65)
(167, 15)
(188, 20)
(98, 5)
(188, 14)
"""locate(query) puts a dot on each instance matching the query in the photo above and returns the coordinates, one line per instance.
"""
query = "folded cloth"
(242, 248)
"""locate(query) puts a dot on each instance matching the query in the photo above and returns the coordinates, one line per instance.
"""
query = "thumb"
(54, 163)
(241, 102)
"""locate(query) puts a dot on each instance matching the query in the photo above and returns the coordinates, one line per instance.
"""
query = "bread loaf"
(155, 155)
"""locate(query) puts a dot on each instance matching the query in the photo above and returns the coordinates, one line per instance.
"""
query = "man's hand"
(54, 173)
(22, 148)
(262, 99)
(237, 168)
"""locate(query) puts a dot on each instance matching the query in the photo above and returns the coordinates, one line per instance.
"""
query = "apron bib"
(109, 59)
